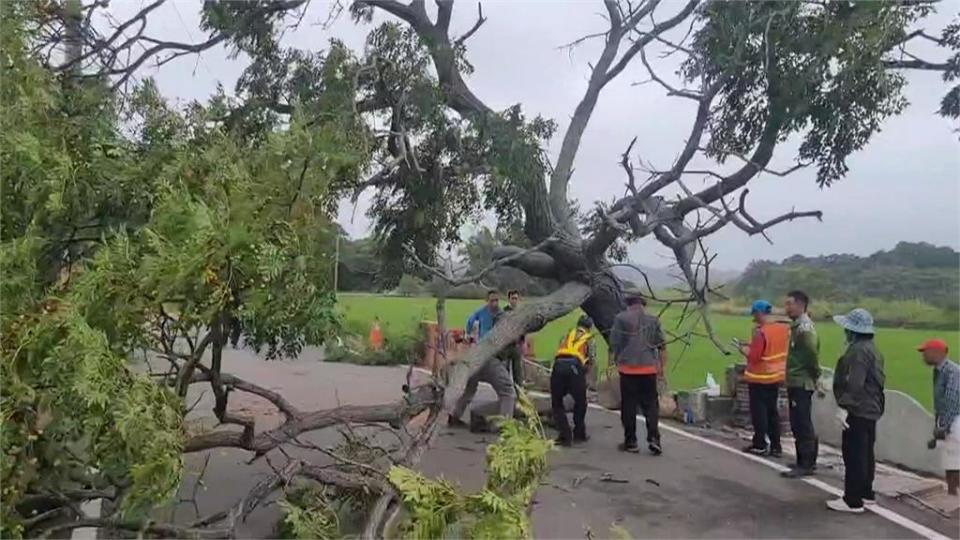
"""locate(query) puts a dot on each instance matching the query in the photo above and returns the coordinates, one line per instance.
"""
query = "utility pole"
(73, 35)
(336, 264)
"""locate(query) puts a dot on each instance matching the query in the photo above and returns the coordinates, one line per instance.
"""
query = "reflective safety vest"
(773, 361)
(575, 346)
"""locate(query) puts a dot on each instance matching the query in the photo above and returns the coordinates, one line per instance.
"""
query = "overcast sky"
(903, 186)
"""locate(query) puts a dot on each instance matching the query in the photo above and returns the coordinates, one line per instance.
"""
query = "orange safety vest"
(575, 347)
(773, 362)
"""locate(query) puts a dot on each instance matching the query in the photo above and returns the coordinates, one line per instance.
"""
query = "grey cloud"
(903, 186)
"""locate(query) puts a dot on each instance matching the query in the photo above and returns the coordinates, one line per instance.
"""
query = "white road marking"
(90, 508)
(885, 513)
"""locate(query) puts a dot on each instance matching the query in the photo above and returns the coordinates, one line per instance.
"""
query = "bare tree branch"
(234, 382)
(533, 263)
(647, 37)
(418, 400)
(475, 278)
(476, 26)
(671, 91)
(754, 165)
(917, 63)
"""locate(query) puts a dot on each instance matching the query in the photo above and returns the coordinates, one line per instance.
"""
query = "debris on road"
(608, 477)
(577, 481)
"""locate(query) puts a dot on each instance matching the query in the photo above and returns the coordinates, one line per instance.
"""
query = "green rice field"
(688, 364)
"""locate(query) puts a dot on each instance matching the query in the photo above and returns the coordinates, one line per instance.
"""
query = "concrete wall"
(902, 432)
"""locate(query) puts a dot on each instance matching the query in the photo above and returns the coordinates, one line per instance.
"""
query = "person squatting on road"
(858, 388)
(803, 378)
(766, 363)
(494, 372)
(576, 355)
(946, 408)
(640, 353)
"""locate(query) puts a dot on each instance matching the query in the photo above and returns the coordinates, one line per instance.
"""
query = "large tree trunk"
(528, 318)
(564, 260)
(605, 301)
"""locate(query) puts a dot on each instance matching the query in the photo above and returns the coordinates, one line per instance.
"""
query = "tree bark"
(605, 301)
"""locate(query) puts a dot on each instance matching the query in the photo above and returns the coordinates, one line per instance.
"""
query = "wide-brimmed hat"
(858, 320)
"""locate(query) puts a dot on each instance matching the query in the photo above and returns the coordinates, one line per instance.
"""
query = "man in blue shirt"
(946, 408)
(482, 319)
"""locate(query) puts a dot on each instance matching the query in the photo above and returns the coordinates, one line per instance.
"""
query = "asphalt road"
(694, 490)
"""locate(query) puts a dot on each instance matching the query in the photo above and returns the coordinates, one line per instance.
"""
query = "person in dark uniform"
(576, 355)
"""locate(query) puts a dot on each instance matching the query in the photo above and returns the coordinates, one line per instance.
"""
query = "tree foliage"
(131, 225)
(909, 271)
(516, 463)
(169, 236)
(812, 69)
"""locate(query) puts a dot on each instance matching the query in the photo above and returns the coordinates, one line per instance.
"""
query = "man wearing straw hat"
(858, 388)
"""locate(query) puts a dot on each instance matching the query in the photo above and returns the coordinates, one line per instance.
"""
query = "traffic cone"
(376, 336)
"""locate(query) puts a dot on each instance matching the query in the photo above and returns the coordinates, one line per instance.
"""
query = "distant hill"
(663, 278)
(909, 271)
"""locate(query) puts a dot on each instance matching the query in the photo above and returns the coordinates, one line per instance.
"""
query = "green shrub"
(516, 463)
(886, 313)
(399, 350)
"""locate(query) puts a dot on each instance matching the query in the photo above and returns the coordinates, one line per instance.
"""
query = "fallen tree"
(227, 246)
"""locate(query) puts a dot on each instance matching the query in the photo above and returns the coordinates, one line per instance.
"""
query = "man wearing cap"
(858, 388)
(640, 352)
(946, 408)
(766, 363)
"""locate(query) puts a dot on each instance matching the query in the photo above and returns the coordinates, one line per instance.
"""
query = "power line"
(200, 58)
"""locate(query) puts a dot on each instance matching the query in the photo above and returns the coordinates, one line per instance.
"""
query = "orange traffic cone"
(376, 336)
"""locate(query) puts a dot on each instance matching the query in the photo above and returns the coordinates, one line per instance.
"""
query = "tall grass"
(887, 313)
(689, 362)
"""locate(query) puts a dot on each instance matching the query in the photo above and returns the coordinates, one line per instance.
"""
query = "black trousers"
(568, 376)
(764, 414)
(858, 460)
(639, 391)
(801, 424)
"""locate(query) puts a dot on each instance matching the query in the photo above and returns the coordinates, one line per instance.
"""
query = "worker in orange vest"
(575, 356)
(766, 366)
(376, 335)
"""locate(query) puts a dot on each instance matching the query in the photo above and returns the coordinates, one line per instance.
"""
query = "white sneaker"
(869, 502)
(840, 505)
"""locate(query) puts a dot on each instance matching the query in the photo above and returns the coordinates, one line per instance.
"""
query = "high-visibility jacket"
(768, 364)
(575, 345)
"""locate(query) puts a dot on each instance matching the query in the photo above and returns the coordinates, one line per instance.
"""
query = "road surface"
(695, 490)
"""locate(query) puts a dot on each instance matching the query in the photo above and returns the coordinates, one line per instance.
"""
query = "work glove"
(842, 419)
(932, 444)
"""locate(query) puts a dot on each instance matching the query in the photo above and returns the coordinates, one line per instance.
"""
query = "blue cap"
(761, 306)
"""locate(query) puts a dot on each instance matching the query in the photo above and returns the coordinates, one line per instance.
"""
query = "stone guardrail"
(902, 432)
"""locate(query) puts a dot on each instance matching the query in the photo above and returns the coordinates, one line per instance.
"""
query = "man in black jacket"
(514, 355)
(858, 388)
